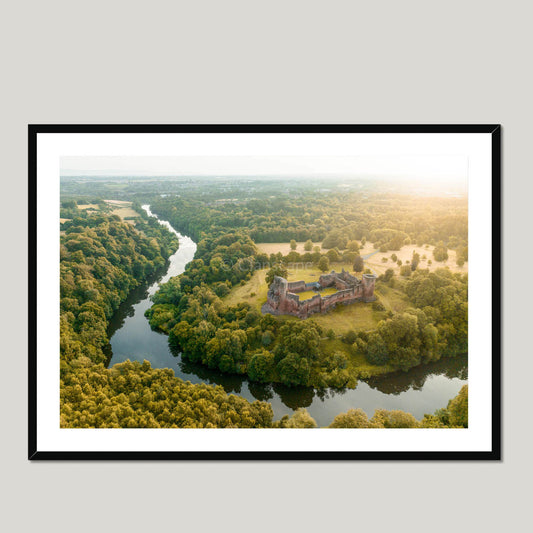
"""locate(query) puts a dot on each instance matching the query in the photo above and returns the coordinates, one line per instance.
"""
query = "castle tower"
(369, 281)
(277, 293)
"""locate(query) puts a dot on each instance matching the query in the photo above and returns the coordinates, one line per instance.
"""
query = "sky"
(433, 168)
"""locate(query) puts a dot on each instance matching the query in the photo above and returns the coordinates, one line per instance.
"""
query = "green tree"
(333, 255)
(405, 270)
(394, 419)
(349, 337)
(353, 246)
(261, 366)
(440, 253)
(294, 370)
(389, 274)
(359, 264)
(354, 418)
(458, 408)
(323, 264)
(277, 270)
(299, 419)
(293, 244)
(415, 261)
(396, 341)
(308, 246)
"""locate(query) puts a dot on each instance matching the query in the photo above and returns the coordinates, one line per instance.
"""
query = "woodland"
(104, 256)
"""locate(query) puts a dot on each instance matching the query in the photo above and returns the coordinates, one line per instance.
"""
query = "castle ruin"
(283, 299)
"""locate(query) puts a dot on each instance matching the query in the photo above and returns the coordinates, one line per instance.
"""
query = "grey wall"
(265, 62)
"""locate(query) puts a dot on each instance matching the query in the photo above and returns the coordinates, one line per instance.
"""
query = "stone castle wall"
(283, 299)
(296, 286)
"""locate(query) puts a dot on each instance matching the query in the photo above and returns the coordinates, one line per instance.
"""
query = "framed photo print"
(264, 292)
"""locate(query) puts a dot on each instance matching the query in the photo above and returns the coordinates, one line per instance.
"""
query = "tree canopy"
(102, 259)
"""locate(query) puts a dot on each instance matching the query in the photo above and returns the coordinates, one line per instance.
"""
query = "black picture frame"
(494, 454)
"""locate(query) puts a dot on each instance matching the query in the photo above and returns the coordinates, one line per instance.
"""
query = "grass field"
(123, 210)
(254, 291)
(120, 207)
(375, 262)
(118, 202)
(283, 247)
(306, 295)
(358, 316)
(406, 254)
(392, 299)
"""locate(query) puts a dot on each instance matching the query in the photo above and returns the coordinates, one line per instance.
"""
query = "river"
(421, 390)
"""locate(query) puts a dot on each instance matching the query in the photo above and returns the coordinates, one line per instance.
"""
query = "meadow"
(376, 260)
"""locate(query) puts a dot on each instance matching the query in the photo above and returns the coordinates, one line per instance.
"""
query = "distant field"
(375, 262)
(120, 207)
(117, 202)
(406, 254)
(124, 212)
(283, 247)
(309, 273)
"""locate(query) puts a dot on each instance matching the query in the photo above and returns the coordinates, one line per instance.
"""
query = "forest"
(101, 260)
(388, 220)
(103, 257)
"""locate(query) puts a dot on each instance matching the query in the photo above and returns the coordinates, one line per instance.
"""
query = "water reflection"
(294, 397)
(415, 378)
(127, 308)
(261, 391)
